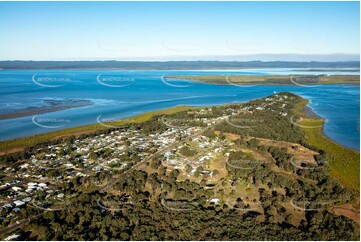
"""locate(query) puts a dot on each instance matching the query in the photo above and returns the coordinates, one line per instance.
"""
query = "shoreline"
(337, 168)
(305, 110)
(309, 112)
(336, 142)
(347, 175)
(344, 161)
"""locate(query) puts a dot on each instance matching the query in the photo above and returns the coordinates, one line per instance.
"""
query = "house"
(98, 168)
(208, 172)
(42, 184)
(16, 188)
(27, 199)
(214, 201)
(61, 195)
(32, 187)
(7, 205)
(29, 190)
(24, 166)
(18, 203)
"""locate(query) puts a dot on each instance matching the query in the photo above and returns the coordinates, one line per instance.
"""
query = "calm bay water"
(120, 94)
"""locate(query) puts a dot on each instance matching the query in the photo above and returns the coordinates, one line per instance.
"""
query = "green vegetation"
(149, 216)
(186, 151)
(344, 162)
(247, 171)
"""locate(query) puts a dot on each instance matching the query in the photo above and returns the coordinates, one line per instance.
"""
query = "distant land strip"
(300, 80)
(172, 65)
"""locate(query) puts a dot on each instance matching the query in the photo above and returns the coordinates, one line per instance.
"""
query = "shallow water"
(119, 94)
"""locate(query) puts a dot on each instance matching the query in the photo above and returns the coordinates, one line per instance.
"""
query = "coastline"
(336, 142)
(69, 131)
(344, 161)
(311, 114)
(351, 209)
(19, 144)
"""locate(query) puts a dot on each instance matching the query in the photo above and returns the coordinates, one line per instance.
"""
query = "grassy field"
(19, 144)
(279, 80)
(344, 163)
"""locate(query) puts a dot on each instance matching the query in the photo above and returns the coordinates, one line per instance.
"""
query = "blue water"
(120, 94)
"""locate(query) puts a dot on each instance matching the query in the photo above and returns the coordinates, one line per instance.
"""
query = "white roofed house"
(42, 184)
(15, 188)
(19, 203)
(214, 201)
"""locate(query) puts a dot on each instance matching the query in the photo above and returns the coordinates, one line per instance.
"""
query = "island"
(260, 170)
(301, 80)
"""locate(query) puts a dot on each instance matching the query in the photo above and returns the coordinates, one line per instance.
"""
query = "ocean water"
(120, 94)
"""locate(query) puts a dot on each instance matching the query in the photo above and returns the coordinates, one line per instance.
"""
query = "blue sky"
(163, 30)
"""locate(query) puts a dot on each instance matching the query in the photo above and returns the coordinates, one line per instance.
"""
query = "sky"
(177, 30)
